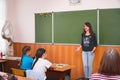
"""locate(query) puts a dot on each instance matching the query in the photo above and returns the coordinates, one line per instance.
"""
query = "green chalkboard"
(68, 26)
(109, 28)
(43, 28)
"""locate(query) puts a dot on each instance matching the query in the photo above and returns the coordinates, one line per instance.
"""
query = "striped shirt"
(98, 76)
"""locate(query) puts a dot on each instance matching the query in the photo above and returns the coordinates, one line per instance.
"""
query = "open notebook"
(61, 65)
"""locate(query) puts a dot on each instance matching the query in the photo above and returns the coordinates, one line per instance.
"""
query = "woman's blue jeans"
(87, 57)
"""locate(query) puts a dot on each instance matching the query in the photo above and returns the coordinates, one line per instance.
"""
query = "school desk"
(60, 72)
(9, 62)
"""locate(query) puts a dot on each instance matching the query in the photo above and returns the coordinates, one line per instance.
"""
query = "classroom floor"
(80, 79)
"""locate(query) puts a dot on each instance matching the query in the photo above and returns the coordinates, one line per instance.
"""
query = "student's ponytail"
(35, 62)
(38, 55)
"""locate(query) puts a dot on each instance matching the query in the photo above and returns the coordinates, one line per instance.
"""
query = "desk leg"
(3, 67)
(0, 66)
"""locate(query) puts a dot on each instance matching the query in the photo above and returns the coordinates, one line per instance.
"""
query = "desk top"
(2, 60)
(10, 58)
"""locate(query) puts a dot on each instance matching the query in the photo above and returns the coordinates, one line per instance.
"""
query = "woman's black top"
(88, 42)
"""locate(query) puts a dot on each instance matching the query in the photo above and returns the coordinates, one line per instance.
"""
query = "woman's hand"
(78, 48)
(93, 50)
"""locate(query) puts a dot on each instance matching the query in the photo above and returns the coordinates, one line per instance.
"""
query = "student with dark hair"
(88, 45)
(109, 66)
(26, 60)
(40, 65)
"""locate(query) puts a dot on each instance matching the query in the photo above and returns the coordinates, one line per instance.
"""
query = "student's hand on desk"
(53, 66)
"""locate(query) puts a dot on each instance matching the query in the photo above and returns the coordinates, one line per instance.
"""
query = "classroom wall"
(21, 13)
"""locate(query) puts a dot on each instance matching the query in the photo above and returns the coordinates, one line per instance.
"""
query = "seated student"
(40, 65)
(26, 60)
(109, 66)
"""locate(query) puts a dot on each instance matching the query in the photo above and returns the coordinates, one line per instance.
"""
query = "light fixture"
(74, 1)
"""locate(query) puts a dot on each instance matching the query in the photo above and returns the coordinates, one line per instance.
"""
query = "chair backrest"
(18, 72)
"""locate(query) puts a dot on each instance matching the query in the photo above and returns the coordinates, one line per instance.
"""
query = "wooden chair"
(18, 72)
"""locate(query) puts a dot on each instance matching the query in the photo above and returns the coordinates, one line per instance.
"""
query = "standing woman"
(26, 60)
(88, 45)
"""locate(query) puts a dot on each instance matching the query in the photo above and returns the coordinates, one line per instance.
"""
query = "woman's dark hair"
(110, 62)
(24, 51)
(90, 27)
(38, 55)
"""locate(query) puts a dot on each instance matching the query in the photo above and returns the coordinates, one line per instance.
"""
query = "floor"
(80, 79)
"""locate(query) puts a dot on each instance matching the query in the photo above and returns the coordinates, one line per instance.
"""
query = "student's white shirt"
(39, 69)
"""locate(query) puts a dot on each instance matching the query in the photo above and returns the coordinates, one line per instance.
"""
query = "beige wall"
(21, 13)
